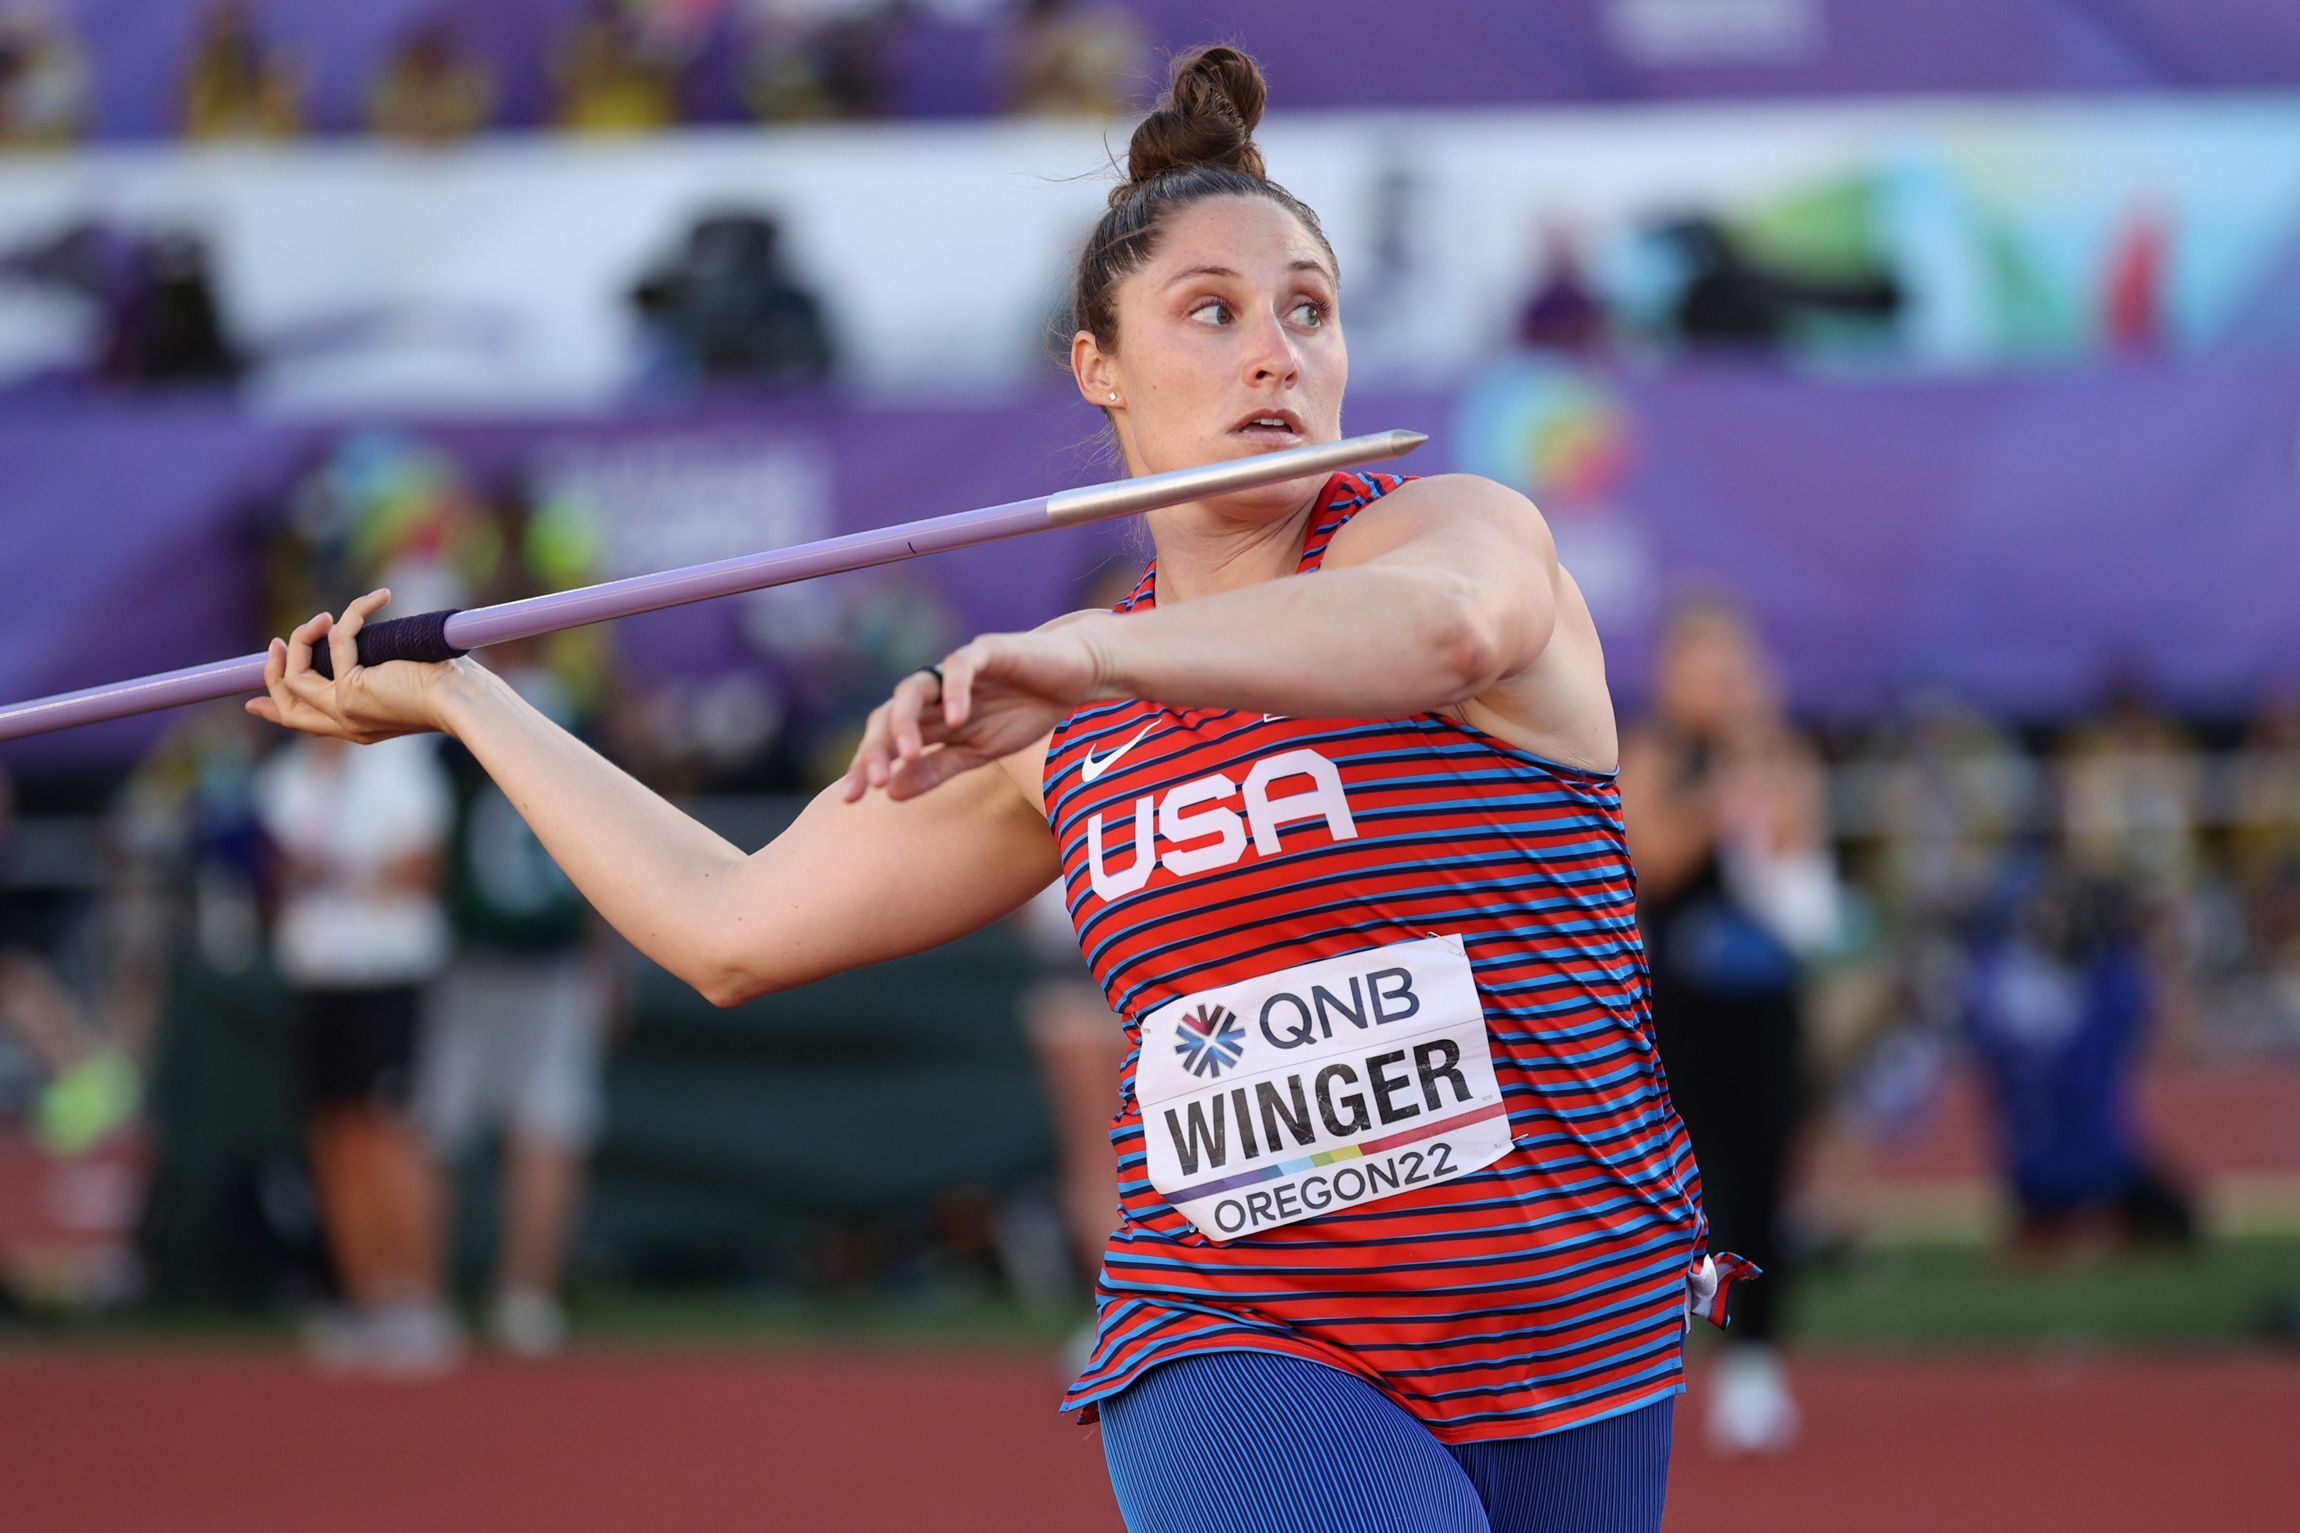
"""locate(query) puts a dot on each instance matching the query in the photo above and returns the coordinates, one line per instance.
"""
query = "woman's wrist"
(1106, 679)
(462, 690)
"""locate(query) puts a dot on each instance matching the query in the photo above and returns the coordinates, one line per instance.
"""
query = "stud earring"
(1114, 397)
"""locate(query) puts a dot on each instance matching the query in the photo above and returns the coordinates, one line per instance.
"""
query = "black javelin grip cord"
(444, 635)
(418, 636)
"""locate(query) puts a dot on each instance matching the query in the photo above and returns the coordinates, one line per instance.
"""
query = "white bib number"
(1321, 1087)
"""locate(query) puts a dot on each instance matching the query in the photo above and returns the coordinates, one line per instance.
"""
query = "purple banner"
(2024, 542)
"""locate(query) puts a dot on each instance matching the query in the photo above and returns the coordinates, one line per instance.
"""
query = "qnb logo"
(1210, 1040)
(1201, 812)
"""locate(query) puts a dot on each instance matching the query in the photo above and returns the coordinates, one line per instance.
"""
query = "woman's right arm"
(845, 885)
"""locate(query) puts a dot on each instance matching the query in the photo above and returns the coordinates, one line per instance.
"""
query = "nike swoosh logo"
(1089, 769)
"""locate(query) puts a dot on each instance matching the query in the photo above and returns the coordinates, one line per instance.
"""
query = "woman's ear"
(1096, 372)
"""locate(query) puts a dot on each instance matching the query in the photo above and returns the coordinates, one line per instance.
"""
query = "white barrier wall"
(494, 275)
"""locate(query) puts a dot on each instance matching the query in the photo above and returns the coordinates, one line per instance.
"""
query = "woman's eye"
(1212, 312)
(1310, 312)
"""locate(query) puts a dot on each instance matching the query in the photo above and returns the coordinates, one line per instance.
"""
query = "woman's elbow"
(1481, 642)
(1472, 663)
(731, 982)
(726, 991)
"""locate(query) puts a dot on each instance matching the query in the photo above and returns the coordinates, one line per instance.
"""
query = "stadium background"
(1961, 345)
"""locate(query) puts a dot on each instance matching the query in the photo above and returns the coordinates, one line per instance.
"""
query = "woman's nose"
(1272, 355)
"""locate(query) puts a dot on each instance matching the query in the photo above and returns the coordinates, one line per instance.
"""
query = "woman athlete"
(1408, 1230)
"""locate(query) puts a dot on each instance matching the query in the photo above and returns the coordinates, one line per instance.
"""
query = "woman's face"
(1229, 343)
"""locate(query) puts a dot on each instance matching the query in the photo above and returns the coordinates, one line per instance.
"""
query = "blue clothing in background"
(2059, 1039)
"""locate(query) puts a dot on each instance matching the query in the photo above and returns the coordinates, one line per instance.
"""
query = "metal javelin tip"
(1126, 497)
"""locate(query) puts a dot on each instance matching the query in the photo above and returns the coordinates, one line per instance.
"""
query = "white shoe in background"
(407, 1340)
(528, 1324)
(413, 1339)
(1750, 1409)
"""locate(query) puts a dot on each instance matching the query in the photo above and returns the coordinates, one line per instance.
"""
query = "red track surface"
(960, 1442)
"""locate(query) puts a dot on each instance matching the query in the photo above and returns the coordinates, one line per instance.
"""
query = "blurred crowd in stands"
(613, 67)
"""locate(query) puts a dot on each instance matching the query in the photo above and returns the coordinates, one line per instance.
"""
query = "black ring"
(936, 672)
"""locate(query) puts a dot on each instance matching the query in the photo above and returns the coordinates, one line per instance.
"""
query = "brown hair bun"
(1208, 118)
(1198, 144)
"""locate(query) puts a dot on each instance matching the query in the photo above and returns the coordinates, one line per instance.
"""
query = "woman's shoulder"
(1469, 490)
(1390, 508)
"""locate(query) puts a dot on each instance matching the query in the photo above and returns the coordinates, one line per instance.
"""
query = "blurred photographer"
(727, 307)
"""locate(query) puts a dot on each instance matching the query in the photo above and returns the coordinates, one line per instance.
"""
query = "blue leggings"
(1260, 1442)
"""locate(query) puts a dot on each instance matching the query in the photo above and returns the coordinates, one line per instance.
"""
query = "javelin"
(444, 635)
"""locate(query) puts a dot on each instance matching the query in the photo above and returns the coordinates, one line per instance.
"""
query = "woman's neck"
(1204, 553)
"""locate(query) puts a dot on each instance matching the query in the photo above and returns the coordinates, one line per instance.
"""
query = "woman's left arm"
(1433, 595)
(1436, 595)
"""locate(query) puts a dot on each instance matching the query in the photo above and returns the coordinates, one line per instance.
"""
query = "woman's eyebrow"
(1224, 271)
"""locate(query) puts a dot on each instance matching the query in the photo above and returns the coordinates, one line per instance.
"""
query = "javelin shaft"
(536, 615)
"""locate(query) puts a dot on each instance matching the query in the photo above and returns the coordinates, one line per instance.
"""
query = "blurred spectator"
(235, 85)
(1563, 313)
(1074, 60)
(609, 80)
(515, 1038)
(727, 306)
(43, 80)
(187, 819)
(1732, 300)
(1727, 817)
(2266, 840)
(360, 833)
(161, 320)
(1949, 791)
(817, 60)
(93, 1086)
(2264, 845)
(178, 333)
(2131, 798)
(2057, 1009)
(432, 92)
(2131, 791)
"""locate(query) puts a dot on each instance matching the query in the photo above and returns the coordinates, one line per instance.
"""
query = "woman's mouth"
(1276, 428)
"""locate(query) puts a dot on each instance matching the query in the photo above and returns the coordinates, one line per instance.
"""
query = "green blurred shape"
(1827, 228)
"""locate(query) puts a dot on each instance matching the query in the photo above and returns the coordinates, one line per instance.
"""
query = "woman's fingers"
(913, 696)
(932, 770)
(272, 706)
(869, 769)
(958, 673)
(343, 645)
(295, 656)
(343, 636)
(897, 751)
(283, 704)
(297, 695)
(300, 640)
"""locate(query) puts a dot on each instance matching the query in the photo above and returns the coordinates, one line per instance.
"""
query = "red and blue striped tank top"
(1548, 1288)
